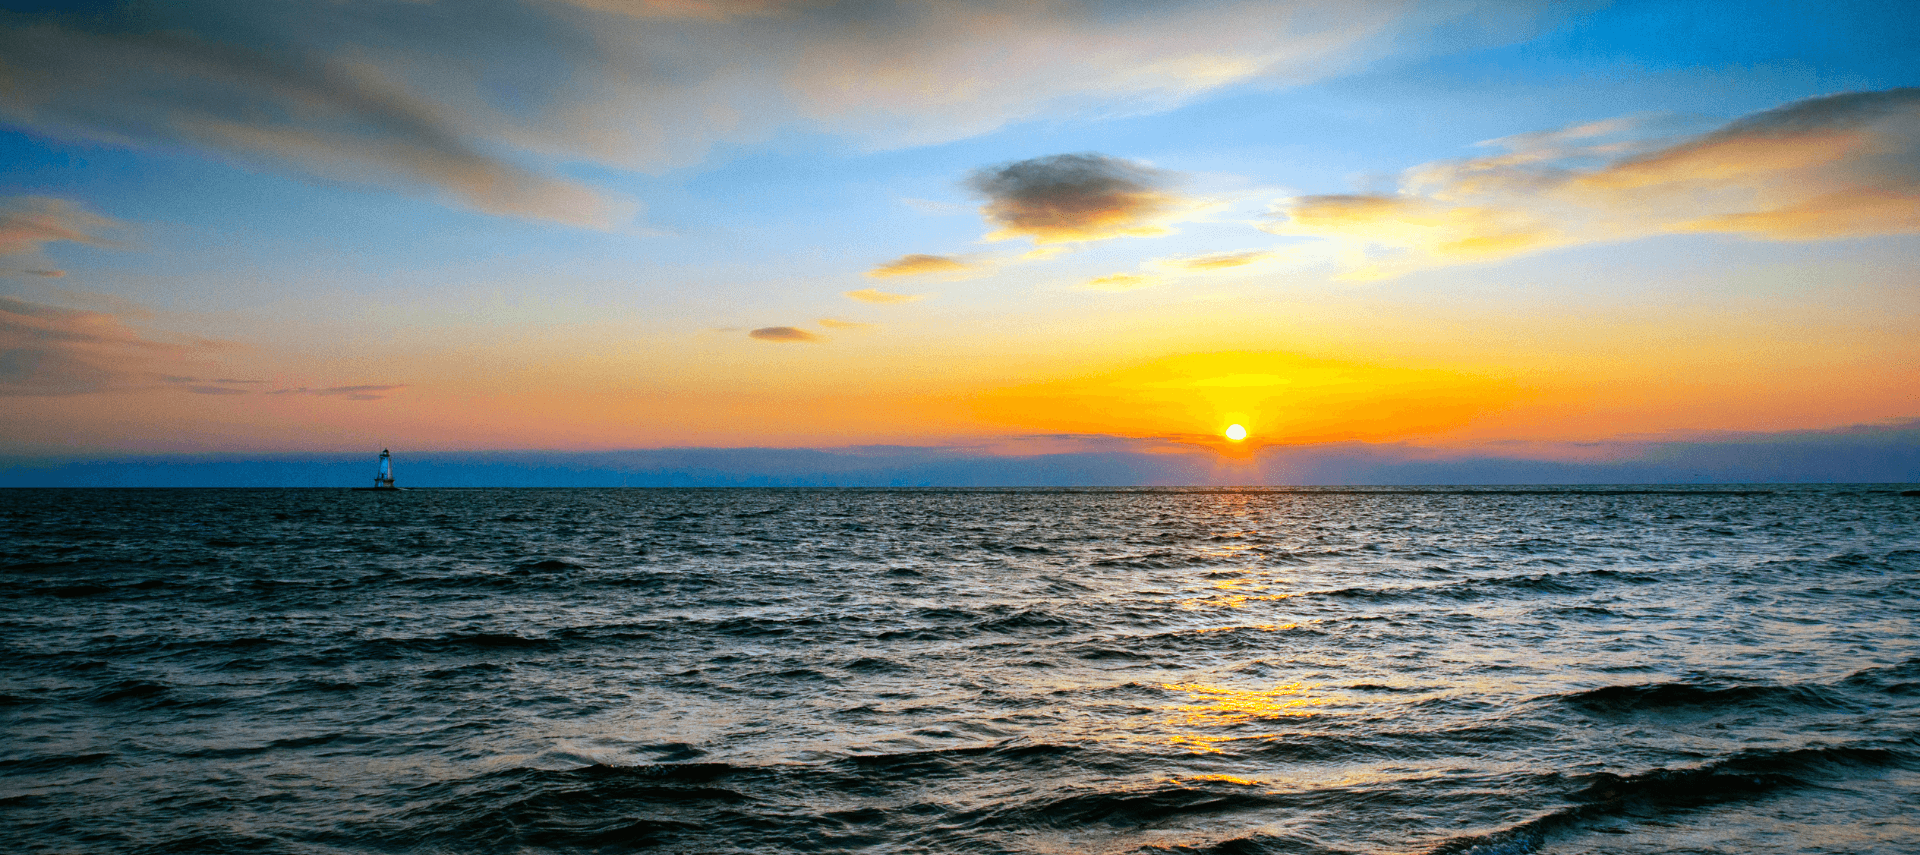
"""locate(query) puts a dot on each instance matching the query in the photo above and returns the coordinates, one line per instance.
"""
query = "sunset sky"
(1016, 228)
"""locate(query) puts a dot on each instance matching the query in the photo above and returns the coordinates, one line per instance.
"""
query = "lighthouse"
(383, 480)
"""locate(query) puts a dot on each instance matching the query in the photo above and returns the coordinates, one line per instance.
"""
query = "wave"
(1684, 696)
(1665, 792)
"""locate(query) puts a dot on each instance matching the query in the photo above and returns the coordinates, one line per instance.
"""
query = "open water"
(1580, 670)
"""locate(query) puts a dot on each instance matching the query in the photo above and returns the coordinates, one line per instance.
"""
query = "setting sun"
(1236, 433)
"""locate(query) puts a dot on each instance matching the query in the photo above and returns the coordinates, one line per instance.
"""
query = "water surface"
(1582, 670)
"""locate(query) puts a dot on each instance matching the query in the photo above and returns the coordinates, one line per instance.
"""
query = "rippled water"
(1371, 671)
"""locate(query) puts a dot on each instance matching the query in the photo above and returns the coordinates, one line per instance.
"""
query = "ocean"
(1370, 670)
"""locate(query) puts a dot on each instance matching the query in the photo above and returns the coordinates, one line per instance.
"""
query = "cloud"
(1215, 261)
(55, 351)
(919, 264)
(784, 334)
(150, 80)
(1839, 166)
(837, 324)
(1067, 198)
(709, 10)
(1121, 282)
(909, 72)
(873, 295)
(48, 350)
(30, 222)
(351, 393)
(485, 102)
(218, 386)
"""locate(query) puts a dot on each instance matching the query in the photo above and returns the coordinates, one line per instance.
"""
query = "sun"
(1236, 433)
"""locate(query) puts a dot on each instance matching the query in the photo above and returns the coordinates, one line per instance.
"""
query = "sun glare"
(1236, 433)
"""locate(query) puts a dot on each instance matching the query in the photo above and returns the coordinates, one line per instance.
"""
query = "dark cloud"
(483, 101)
(351, 393)
(1075, 197)
(784, 334)
(213, 77)
(919, 264)
(218, 390)
(1823, 114)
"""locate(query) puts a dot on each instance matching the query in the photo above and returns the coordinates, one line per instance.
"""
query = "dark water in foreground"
(532, 671)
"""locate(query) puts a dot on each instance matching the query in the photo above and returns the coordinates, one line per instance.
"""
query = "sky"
(1018, 235)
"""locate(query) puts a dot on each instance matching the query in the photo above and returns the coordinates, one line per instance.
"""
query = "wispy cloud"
(216, 386)
(177, 82)
(483, 107)
(1215, 261)
(1833, 167)
(30, 222)
(919, 264)
(49, 350)
(351, 393)
(874, 295)
(1121, 282)
(785, 334)
(837, 324)
(1067, 198)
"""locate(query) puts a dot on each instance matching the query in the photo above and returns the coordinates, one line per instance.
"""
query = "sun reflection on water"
(1220, 706)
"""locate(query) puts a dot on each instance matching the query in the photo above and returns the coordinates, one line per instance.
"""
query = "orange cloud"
(837, 324)
(29, 222)
(1216, 261)
(1066, 198)
(872, 295)
(47, 350)
(784, 334)
(351, 393)
(1834, 167)
(1121, 282)
(919, 264)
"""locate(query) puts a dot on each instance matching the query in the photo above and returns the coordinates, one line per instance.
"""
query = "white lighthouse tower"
(383, 480)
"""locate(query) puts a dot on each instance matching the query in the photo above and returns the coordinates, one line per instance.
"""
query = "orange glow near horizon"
(1296, 399)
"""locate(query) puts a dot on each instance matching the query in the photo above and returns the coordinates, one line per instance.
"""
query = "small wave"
(591, 807)
(1901, 679)
(451, 643)
(127, 690)
(53, 762)
(1676, 697)
(877, 665)
(952, 762)
(1659, 792)
(1162, 560)
(1136, 808)
(1026, 619)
